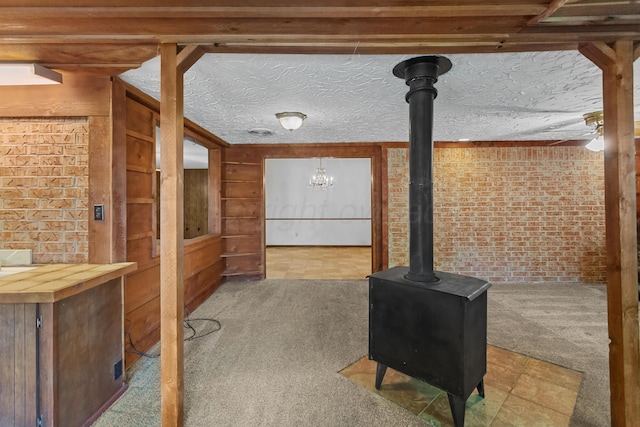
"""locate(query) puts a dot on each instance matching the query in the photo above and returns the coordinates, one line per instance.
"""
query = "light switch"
(98, 212)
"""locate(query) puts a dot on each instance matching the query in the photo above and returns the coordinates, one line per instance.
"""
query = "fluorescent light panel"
(27, 74)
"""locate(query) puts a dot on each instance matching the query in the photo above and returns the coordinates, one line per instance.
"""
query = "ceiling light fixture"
(291, 120)
(596, 121)
(320, 181)
(27, 74)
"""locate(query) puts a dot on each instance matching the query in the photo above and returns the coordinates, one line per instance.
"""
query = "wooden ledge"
(54, 282)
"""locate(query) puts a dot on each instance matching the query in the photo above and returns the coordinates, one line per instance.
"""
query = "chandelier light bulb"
(320, 180)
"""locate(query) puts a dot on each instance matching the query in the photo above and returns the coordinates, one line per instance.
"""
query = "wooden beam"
(171, 230)
(550, 10)
(188, 56)
(277, 11)
(616, 62)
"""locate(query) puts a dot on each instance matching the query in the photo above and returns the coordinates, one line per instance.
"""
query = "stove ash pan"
(435, 332)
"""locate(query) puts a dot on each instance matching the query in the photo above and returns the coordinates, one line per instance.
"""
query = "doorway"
(318, 232)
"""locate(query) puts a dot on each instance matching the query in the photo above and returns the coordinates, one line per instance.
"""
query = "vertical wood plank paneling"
(142, 288)
(196, 203)
(215, 178)
(616, 63)
(20, 349)
(18, 380)
(119, 172)
(100, 186)
(31, 363)
(7, 364)
(47, 356)
(172, 246)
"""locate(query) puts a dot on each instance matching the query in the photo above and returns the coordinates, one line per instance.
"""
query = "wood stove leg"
(380, 371)
(457, 410)
(481, 388)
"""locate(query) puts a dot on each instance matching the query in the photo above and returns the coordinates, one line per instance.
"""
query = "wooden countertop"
(55, 282)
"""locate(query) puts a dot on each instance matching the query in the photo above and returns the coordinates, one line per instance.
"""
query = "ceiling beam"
(188, 56)
(553, 7)
(291, 11)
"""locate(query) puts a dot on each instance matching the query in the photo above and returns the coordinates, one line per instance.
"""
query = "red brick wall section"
(44, 188)
(530, 214)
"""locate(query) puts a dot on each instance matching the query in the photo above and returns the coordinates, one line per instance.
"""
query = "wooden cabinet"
(61, 358)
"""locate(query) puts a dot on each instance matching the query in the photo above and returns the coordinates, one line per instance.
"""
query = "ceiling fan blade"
(578, 137)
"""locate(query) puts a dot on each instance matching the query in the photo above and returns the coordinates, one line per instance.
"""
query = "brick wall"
(509, 214)
(44, 188)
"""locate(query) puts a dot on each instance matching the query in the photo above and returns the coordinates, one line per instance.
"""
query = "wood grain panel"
(242, 173)
(143, 326)
(201, 254)
(78, 96)
(140, 153)
(141, 250)
(139, 217)
(245, 189)
(142, 286)
(204, 281)
(9, 340)
(140, 118)
(233, 226)
(238, 245)
(25, 364)
(244, 264)
(100, 189)
(139, 184)
(196, 202)
(88, 350)
(242, 208)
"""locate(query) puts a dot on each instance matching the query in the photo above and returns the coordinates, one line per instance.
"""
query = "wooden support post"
(172, 68)
(616, 63)
(172, 241)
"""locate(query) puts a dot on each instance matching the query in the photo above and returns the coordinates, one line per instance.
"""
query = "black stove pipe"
(420, 75)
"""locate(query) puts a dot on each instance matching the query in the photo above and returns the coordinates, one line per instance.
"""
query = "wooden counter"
(61, 329)
(54, 282)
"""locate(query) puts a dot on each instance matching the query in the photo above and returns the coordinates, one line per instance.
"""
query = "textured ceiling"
(355, 98)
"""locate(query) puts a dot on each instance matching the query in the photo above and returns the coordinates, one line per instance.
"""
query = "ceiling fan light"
(291, 120)
(596, 144)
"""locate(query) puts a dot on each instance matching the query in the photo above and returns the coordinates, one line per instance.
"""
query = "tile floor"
(519, 391)
(318, 262)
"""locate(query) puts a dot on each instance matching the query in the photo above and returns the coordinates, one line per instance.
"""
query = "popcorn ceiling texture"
(44, 188)
(355, 98)
(529, 214)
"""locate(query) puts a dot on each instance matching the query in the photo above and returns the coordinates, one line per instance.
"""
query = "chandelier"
(320, 180)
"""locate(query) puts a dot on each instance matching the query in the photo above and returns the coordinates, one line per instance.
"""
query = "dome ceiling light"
(291, 120)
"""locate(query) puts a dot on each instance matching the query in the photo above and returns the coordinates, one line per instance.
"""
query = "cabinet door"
(18, 365)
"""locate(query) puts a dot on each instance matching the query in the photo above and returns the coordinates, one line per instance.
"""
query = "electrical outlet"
(117, 370)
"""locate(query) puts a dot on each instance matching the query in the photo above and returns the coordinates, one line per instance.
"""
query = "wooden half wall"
(203, 264)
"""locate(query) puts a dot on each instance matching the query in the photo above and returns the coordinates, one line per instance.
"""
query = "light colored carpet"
(282, 343)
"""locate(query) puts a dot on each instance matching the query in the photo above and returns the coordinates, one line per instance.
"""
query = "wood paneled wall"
(203, 263)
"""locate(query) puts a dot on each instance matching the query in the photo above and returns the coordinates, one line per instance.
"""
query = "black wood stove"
(427, 324)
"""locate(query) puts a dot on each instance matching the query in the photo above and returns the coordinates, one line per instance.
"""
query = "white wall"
(298, 215)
